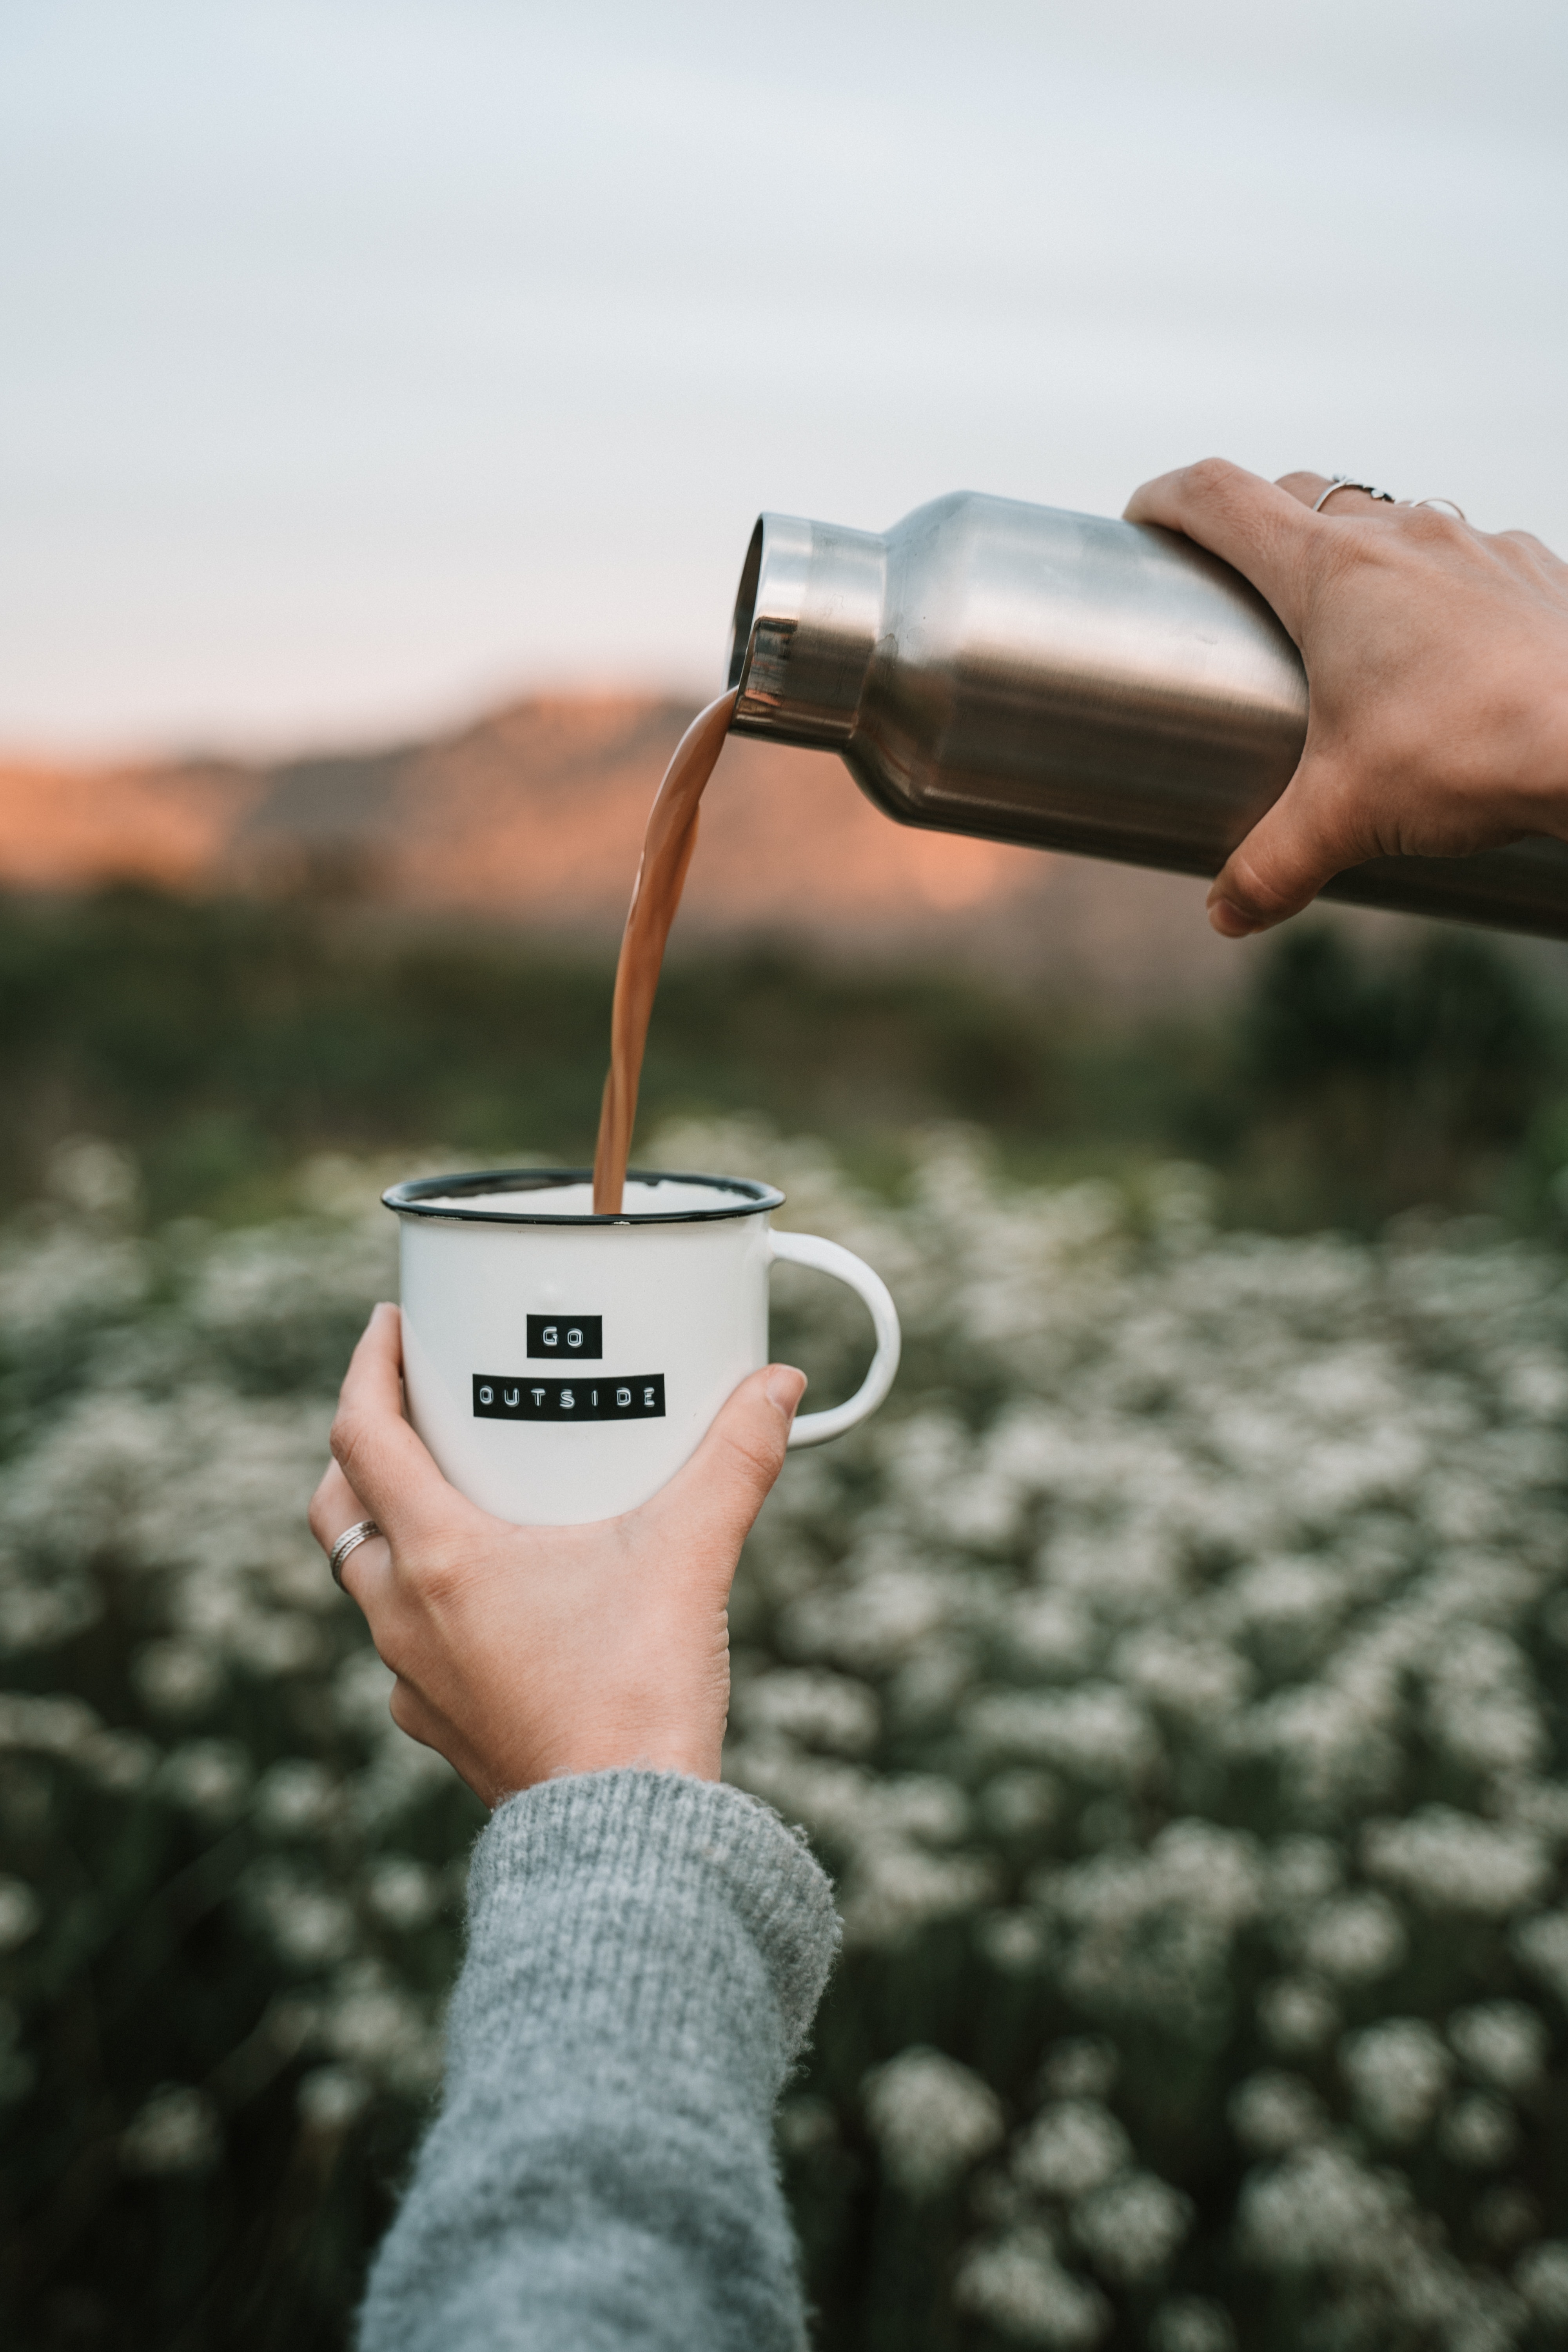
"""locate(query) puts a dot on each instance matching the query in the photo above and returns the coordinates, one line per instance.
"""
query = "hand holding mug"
(525, 1652)
(1437, 657)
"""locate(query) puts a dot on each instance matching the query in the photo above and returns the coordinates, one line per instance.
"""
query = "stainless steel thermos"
(1065, 681)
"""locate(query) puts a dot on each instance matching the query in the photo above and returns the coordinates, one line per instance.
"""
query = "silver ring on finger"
(1343, 482)
(1453, 509)
(349, 1541)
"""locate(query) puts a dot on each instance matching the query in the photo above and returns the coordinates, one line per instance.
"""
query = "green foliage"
(1172, 1676)
(1382, 1085)
(223, 1042)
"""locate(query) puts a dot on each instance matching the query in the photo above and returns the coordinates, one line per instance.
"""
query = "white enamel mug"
(561, 1366)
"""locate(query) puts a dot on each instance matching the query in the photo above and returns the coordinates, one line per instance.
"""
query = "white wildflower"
(382, 2031)
(1096, 1732)
(47, 1727)
(1542, 2277)
(1334, 1743)
(1191, 2323)
(1542, 1946)
(824, 1710)
(1320, 2210)
(278, 1641)
(1451, 1862)
(21, 1914)
(1016, 2285)
(932, 2119)
(1476, 2314)
(402, 1892)
(309, 1925)
(58, 1285)
(1073, 2146)
(1287, 1608)
(1272, 2112)
(1083, 2066)
(1501, 2042)
(1398, 2072)
(804, 2126)
(1478, 2132)
(1049, 1634)
(925, 1689)
(1302, 1872)
(176, 1678)
(1018, 1802)
(1151, 1935)
(42, 1616)
(893, 1887)
(294, 1799)
(1125, 1573)
(1132, 2227)
(1535, 1383)
(1296, 2015)
(1201, 1682)
(1356, 1940)
(872, 1622)
(208, 1777)
(1016, 1942)
(118, 1760)
(330, 2098)
(918, 1805)
(1479, 1701)
(95, 1178)
(175, 2133)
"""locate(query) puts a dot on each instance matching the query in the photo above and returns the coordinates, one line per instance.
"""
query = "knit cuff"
(645, 1906)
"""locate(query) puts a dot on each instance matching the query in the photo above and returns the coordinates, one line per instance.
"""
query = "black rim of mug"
(441, 1196)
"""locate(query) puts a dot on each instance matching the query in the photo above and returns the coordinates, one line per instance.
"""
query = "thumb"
(1302, 841)
(725, 1484)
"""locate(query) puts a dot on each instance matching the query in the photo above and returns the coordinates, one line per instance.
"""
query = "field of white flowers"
(1172, 1676)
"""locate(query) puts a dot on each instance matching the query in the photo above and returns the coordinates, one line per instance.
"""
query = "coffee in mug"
(562, 1365)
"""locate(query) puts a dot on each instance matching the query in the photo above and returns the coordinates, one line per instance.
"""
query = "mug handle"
(827, 1257)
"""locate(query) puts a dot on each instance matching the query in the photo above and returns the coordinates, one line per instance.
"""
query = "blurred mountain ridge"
(532, 815)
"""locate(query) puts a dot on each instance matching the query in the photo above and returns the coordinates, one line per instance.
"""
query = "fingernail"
(785, 1389)
(1229, 921)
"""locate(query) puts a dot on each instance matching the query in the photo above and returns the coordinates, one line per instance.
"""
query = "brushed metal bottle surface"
(1068, 682)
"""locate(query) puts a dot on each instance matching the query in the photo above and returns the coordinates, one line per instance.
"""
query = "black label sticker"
(593, 1399)
(566, 1334)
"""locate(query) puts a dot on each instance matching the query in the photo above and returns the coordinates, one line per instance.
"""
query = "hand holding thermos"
(1437, 661)
(1123, 689)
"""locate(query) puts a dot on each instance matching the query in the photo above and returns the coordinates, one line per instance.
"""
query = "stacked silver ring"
(1384, 498)
(1343, 482)
(349, 1541)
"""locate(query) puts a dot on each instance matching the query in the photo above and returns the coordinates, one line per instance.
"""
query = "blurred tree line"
(225, 1040)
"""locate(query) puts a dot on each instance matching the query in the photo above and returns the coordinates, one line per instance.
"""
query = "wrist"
(690, 1759)
(575, 1751)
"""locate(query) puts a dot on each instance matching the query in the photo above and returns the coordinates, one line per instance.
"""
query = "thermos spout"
(807, 617)
(1065, 681)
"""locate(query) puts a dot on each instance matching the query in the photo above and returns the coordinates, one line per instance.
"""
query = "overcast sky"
(363, 360)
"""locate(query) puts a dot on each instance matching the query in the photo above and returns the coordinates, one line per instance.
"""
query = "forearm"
(646, 1954)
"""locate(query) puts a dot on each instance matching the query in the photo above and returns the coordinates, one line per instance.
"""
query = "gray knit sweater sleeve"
(646, 1953)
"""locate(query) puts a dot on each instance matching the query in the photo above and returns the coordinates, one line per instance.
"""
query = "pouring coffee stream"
(667, 844)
